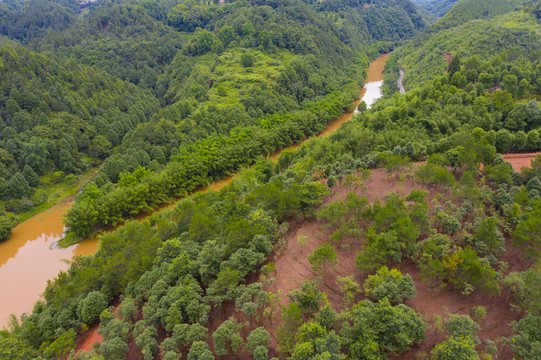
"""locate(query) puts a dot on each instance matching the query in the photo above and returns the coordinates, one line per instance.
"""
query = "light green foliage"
(6, 225)
(226, 338)
(258, 337)
(479, 312)
(431, 174)
(462, 326)
(146, 341)
(455, 348)
(389, 284)
(527, 234)
(61, 346)
(114, 349)
(313, 341)
(127, 309)
(250, 298)
(292, 320)
(487, 236)
(324, 255)
(12, 348)
(379, 328)
(115, 328)
(301, 239)
(378, 250)
(349, 288)
(434, 247)
(260, 353)
(464, 270)
(392, 234)
(200, 351)
(171, 355)
(309, 297)
(394, 164)
(326, 317)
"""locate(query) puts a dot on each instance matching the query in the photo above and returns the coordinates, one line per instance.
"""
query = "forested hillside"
(291, 67)
(25, 20)
(58, 118)
(490, 34)
(404, 234)
(437, 7)
(184, 276)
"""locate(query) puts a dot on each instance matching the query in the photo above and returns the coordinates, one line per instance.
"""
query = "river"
(31, 255)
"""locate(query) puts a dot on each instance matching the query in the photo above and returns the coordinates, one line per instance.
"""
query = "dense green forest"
(201, 90)
(291, 71)
(437, 7)
(291, 66)
(58, 119)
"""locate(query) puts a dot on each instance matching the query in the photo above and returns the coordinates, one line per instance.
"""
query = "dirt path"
(448, 57)
(400, 86)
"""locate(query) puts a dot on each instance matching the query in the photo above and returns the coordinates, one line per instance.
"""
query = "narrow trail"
(402, 91)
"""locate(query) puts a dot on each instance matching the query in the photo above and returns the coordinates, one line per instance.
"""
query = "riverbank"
(374, 76)
(45, 242)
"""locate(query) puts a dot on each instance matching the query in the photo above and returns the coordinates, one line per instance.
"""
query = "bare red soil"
(520, 160)
(86, 341)
(448, 57)
(293, 268)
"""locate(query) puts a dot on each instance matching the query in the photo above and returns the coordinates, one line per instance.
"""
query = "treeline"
(192, 166)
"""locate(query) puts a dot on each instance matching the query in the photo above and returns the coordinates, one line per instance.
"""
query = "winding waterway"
(31, 255)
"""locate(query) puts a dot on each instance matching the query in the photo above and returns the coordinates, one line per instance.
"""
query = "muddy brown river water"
(31, 255)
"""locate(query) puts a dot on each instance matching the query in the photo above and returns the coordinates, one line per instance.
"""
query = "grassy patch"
(236, 80)
(54, 192)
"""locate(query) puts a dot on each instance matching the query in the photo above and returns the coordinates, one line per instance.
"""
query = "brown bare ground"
(520, 160)
(293, 268)
(448, 57)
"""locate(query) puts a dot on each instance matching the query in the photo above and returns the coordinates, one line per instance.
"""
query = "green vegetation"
(437, 7)
(222, 75)
(389, 284)
(214, 88)
(483, 28)
(51, 133)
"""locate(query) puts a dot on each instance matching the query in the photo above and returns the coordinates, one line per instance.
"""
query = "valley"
(229, 194)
